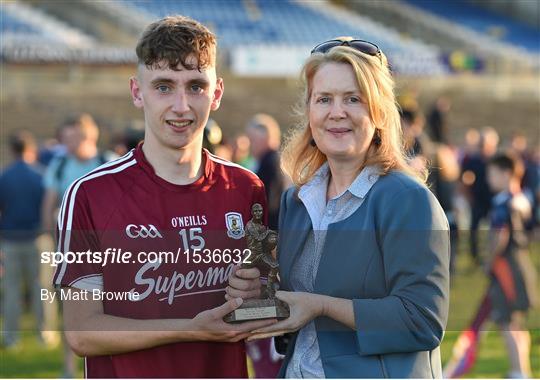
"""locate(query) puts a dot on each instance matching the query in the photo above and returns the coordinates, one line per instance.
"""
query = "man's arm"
(498, 243)
(90, 332)
(50, 203)
(51, 196)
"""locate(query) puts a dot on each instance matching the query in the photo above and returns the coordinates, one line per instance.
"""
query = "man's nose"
(181, 104)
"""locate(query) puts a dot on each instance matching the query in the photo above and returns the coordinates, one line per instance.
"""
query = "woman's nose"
(337, 111)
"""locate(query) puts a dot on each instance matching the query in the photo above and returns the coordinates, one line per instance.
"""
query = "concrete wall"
(39, 97)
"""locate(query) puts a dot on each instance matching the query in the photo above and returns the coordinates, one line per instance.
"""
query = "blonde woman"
(363, 244)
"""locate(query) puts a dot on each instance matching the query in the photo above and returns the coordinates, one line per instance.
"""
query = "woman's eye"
(354, 99)
(323, 100)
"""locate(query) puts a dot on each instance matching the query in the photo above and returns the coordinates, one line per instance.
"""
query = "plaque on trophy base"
(255, 309)
(261, 241)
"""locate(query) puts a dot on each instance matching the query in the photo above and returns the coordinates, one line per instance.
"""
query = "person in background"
(224, 150)
(212, 135)
(475, 186)
(531, 177)
(265, 138)
(437, 120)
(241, 152)
(412, 124)
(443, 179)
(513, 286)
(418, 146)
(21, 195)
(53, 147)
(132, 135)
(214, 142)
(80, 136)
(471, 146)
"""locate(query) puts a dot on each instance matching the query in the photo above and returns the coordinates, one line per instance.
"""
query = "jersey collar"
(200, 184)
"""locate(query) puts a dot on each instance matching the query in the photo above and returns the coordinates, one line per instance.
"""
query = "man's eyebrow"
(200, 81)
(162, 80)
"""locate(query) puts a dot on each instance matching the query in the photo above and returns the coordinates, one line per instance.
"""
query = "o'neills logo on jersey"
(140, 231)
(189, 221)
(235, 225)
(167, 288)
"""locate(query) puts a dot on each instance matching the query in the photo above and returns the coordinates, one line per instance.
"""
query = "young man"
(21, 195)
(80, 136)
(512, 285)
(167, 195)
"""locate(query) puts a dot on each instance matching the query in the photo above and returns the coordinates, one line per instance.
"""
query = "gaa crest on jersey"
(235, 225)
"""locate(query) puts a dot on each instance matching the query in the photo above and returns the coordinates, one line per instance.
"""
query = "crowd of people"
(47, 191)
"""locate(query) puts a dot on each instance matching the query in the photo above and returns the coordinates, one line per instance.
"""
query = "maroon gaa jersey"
(124, 208)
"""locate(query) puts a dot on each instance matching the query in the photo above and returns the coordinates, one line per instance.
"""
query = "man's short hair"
(20, 141)
(408, 114)
(508, 162)
(269, 126)
(172, 40)
(85, 123)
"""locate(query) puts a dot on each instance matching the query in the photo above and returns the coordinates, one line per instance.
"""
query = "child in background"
(509, 266)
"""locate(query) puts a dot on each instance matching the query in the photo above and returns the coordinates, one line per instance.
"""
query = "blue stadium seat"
(274, 22)
(483, 21)
(13, 25)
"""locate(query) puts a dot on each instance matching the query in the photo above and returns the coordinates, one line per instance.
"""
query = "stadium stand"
(31, 35)
(453, 27)
(20, 21)
(293, 23)
(483, 21)
(14, 26)
(253, 33)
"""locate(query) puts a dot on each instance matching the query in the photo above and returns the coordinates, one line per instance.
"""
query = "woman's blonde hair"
(300, 158)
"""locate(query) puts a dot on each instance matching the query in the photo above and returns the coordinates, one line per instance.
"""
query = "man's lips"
(179, 125)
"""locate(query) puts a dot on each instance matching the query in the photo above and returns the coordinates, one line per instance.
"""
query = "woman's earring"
(312, 142)
(377, 138)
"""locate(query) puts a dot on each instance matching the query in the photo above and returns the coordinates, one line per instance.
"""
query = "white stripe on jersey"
(61, 214)
(222, 161)
(90, 283)
(71, 203)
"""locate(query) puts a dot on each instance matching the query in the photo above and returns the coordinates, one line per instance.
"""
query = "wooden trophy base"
(255, 309)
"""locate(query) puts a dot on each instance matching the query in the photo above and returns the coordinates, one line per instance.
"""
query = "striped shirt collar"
(359, 187)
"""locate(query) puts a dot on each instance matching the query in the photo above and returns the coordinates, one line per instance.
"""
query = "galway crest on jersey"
(235, 225)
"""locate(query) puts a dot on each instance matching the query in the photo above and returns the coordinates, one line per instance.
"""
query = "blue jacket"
(391, 257)
(21, 195)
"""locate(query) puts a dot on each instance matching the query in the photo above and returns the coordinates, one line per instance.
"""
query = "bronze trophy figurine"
(261, 241)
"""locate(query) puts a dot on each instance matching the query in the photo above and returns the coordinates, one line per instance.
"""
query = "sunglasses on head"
(362, 46)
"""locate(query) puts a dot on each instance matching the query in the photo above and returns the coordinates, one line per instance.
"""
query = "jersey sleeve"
(78, 243)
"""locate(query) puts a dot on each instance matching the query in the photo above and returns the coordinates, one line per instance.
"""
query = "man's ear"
(136, 93)
(218, 93)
